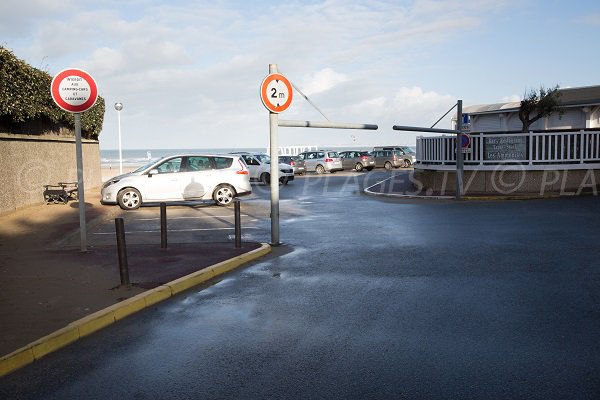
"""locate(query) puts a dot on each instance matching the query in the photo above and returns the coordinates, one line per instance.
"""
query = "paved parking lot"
(368, 298)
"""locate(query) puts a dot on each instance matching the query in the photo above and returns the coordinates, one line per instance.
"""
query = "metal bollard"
(163, 225)
(238, 223)
(122, 251)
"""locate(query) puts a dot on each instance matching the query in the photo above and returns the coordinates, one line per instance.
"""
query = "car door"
(196, 178)
(254, 166)
(310, 161)
(377, 158)
(165, 183)
(346, 157)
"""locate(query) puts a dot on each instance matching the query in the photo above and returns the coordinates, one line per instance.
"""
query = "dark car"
(357, 160)
(294, 162)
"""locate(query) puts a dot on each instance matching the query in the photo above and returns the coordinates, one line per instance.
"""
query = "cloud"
(193, 69)
(591, 19)
(513, 98)
(322, 81)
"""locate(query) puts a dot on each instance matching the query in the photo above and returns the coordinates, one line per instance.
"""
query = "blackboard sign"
(505, 148)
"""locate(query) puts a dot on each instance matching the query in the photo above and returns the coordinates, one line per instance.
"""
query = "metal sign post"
(274, 143)
(80, 188)
(459, 154)
(75, 91)
(458, 133)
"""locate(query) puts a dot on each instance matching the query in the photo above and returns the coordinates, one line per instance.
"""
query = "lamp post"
(119, 107)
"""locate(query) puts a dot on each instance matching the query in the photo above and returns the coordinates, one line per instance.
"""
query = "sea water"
(139, 157)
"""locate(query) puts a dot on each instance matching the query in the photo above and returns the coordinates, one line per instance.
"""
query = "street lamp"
(119, 107)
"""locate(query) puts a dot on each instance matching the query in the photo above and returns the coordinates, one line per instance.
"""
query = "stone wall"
(27, 163)
(509, 182)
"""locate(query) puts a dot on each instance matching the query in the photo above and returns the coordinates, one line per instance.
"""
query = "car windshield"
(146, 166)
(408, 150)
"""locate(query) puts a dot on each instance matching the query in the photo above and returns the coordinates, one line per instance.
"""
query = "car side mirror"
(152, 172)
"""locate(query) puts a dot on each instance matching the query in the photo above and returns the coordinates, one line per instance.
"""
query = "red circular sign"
(74, 90)
(276, 93)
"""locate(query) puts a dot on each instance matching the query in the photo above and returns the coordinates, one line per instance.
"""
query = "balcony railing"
(533, 150)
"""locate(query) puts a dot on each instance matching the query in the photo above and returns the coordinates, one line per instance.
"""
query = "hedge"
(25, 102)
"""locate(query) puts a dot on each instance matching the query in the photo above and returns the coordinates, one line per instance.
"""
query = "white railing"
(545, 150)
(293, 150)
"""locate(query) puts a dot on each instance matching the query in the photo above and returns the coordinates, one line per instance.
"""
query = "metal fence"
(543, 150)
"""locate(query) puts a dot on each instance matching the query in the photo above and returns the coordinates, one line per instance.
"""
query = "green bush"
(26, 105)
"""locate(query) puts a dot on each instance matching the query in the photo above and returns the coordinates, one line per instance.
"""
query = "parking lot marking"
(177, 230)
(207, 216)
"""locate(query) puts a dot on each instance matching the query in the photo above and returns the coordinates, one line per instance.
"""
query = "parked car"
(180, 177)
(259, 165)
(408, 154)
(321, 161)
(388, 159)
(294, 162)
(357, 160)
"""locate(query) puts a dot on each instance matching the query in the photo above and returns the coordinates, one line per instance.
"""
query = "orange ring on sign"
(264, 97)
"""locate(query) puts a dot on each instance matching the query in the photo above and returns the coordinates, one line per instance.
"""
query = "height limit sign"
(276, 93)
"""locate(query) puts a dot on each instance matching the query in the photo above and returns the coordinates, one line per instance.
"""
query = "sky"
(189, 72)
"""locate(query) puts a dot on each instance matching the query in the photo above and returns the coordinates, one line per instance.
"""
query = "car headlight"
(110, 182)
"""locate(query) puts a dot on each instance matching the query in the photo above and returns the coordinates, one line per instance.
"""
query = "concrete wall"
(506, 182)
(27, 163)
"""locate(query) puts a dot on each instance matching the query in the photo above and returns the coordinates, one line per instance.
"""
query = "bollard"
(238, 223)
(122, 251)
(163, 225)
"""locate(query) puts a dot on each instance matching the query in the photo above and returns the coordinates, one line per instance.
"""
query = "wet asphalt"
(368, 298)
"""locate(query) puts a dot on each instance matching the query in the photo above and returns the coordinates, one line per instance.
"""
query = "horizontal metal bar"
(312, 124)
(420, 129)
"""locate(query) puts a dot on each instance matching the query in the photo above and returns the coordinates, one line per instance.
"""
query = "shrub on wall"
(26, 105)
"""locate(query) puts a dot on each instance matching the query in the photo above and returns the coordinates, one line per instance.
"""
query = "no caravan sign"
(74, 90)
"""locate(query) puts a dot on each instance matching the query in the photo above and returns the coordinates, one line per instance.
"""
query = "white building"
(580, 110)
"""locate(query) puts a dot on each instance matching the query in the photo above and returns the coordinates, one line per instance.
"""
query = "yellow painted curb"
(157, 295)
(55, 341)
(191, 280)
(15, 360)
(94, 322)
(100, 319)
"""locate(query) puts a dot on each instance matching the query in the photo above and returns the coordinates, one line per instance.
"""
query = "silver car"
(321, 161)
(180, 177)
(357, 160)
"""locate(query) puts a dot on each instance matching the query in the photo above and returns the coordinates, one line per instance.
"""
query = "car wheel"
(388, 165)
(284, 180)
(265, 178)
(223, 195)
(358, 167)
(129, 199)
(406, 164)
(320, 170)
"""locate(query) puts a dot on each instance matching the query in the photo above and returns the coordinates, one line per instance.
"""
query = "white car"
(180, 177)
(259, 165)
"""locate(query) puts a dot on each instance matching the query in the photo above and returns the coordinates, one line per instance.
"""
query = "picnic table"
(60, 193)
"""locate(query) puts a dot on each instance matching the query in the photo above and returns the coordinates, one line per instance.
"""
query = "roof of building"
(570, 97)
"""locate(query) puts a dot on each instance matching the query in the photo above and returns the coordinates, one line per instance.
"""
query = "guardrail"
(532, 150)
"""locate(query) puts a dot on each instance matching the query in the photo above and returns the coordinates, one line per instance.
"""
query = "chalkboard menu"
(505, 148)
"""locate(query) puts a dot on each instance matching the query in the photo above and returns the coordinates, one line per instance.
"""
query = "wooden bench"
(60, 193)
